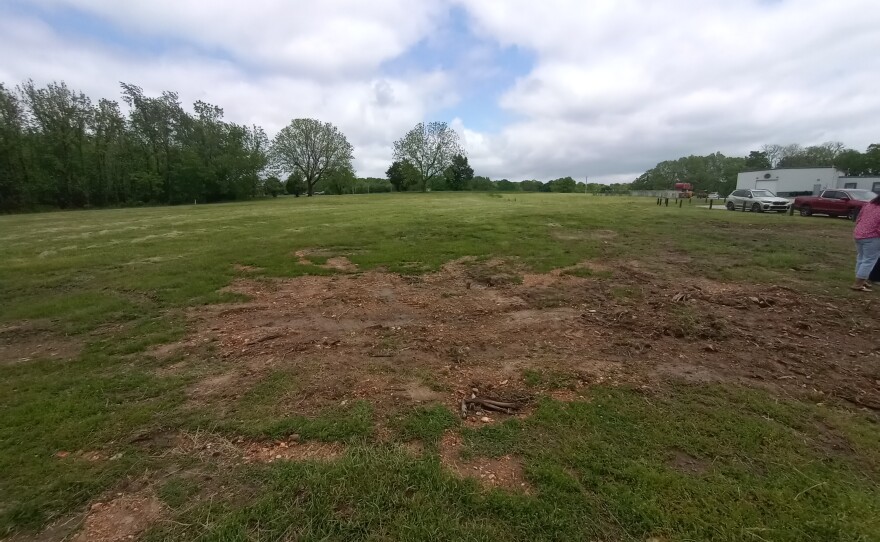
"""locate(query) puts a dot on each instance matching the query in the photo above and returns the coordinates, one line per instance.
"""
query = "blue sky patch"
(483, 70)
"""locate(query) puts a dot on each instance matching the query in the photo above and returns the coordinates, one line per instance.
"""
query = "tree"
(311, 147)
(504, 185)
(564, 184)
(14, 181)
(872, 160)
(61, 118)
(402, 174)
(59, 148)
(823, 155)
(339, 180)
(712, 173)
(157, 125)
(295, 184)
(757, 160)
(459, 173)
(774, 153)
(110, 150)
(482, 184)
(851, 162)
(272, 186)
(372, 185)
(531, 185)
(430, 148)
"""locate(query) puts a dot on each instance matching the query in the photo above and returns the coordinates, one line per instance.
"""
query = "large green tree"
(311, 147)
(430, 148)
(60, 120)
(402, 174)
(459, 173)
(156, 124)
(14, 182)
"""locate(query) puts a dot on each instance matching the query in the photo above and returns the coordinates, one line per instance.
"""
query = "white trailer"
(860, 183)
(790, 182)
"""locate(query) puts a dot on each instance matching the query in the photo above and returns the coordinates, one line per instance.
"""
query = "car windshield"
(861, 195)
(763, 194)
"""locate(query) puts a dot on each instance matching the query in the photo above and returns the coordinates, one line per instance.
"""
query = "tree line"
(717, 173)
(58, 148)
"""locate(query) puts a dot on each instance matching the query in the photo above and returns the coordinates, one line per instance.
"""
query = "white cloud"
(328, 39)
(371, 109)
(616, 86)
(619, 86)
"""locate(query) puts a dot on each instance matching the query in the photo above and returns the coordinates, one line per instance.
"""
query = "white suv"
(757, 201)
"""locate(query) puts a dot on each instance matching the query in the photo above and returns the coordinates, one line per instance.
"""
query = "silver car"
(757, 201)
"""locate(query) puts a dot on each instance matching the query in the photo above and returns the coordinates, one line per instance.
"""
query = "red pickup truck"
(837, 202)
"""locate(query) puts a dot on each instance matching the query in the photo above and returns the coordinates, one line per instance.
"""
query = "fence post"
(680, 203)
(667, 202)
(791, 210)
(711, 201)
(744, 206)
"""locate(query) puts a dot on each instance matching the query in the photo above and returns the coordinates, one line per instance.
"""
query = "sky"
(600, 89)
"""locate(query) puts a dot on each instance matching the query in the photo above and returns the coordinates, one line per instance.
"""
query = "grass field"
(292, 370)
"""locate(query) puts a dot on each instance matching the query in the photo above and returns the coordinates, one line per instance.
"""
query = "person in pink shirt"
(867, 236)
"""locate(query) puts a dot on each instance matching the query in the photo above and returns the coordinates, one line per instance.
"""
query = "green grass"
(426, 424)
(603, 469)
(120, 281)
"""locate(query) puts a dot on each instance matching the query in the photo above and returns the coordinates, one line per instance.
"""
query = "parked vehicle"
(837, 202)
(714, 195)
(684, 190)
(757, 201)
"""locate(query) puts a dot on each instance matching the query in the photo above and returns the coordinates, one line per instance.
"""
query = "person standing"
(867, 236)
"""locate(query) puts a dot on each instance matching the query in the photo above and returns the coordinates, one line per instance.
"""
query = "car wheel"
(806, 211)
(756, 208)
(731, 206)
(853, 214)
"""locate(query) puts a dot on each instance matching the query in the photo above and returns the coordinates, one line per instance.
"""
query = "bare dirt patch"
(333, 261)
(213, 447)
(414, 448)
(122, 518)
(398, 340)
(687, 464)
(246, 268)
(500, 472)
(302, 257)
(340, 263)
(35, 340)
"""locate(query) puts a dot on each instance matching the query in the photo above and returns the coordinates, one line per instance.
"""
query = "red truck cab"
(834, 202)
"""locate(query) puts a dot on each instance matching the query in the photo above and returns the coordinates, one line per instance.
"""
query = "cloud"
(619, 86)
(331, 39)
(372, 109)
(536, 89)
